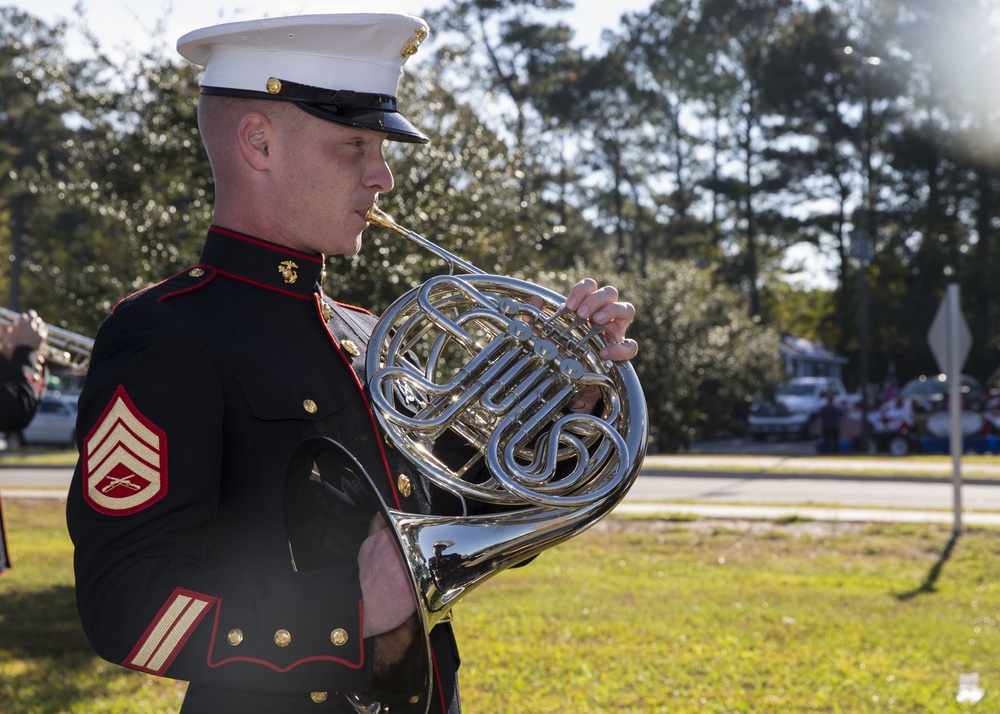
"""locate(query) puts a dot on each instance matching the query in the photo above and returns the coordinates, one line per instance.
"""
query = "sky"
(120, 23)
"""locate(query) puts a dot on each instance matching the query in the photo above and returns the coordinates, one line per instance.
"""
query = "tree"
(701, 357)
(744, 33)
(143, 181)
(34, 84)
(809, 84)
(522, 78)
(942, 206)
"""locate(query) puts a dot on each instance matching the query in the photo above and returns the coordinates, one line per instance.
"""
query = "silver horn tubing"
(493, 381)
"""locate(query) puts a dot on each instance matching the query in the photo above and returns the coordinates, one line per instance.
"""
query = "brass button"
(282, 638)
(318, 697)
(235, 637)
(350, 348)
(339, 637)
(196, 272)
(310, 406)
(403, 485)
(325, 309)
(414, 699)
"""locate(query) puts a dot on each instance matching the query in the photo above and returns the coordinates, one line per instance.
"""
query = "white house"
(802, 357)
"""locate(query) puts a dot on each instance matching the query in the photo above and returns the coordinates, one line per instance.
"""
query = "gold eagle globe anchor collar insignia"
(262, 263)
(287, 268)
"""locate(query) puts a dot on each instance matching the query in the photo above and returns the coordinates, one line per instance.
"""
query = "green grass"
(38, 456)
(633, 616)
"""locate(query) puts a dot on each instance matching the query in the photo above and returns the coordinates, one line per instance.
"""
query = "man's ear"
(254, 134)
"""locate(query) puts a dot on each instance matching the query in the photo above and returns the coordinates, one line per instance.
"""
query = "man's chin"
(356, 248)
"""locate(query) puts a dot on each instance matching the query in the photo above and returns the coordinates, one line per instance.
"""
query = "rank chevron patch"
(125, 460)
(169, 630)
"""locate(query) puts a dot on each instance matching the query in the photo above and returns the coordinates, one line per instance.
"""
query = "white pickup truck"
(794, 410)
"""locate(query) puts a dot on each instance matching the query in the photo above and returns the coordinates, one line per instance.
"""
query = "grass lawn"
(633, 616)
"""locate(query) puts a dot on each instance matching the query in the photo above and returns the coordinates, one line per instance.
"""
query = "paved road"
(763, 487)
(18, 478)
(817, 490)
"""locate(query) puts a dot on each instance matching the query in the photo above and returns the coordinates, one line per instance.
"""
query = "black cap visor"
(376, 112)
(391, 123)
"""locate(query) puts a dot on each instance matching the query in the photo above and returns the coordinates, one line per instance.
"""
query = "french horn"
(496, 361)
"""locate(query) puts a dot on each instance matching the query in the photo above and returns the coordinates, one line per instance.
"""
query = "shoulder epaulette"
(184, 282)
(355, 308)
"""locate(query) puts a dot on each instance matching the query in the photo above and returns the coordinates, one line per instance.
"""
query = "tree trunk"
(17, 222)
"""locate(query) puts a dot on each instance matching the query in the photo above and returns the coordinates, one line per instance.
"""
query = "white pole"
(954, 377)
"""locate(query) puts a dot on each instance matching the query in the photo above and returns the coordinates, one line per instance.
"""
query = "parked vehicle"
(54, 423)
(929, 393)
(795, 407)
(918, 415)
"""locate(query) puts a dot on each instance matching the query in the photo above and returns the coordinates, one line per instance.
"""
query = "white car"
(795, 408)
(54, 422)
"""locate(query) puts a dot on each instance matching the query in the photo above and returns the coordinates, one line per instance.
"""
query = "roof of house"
(803, 348)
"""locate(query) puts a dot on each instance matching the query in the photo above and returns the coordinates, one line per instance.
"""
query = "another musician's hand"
(385, 584)
(29, 330)
(602, 307)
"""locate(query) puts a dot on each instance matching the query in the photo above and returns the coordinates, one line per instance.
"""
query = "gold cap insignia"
(273, 86)
(413, 44)
(287, 270)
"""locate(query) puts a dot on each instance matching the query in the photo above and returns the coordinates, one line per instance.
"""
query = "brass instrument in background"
(61, 347)
(496, 361)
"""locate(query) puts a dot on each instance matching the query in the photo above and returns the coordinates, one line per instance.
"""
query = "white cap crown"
(342, 67)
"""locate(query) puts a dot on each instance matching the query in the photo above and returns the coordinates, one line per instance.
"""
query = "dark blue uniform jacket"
(199, 390)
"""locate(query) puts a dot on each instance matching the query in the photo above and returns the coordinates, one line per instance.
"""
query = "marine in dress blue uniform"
(22, 383)
(199, 390)
(202, 388)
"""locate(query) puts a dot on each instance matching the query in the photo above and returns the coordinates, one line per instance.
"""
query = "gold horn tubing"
(61, 346)
(378, 217)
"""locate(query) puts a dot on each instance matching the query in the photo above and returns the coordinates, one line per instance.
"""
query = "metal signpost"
(950, 339)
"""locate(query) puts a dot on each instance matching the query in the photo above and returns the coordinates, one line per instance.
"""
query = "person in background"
(829, 423)
(22, 382)
(202, 387)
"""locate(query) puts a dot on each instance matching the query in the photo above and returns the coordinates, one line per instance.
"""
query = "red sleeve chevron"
(125, 460)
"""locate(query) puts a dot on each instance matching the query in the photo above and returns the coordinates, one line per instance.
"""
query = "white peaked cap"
(343, 67)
